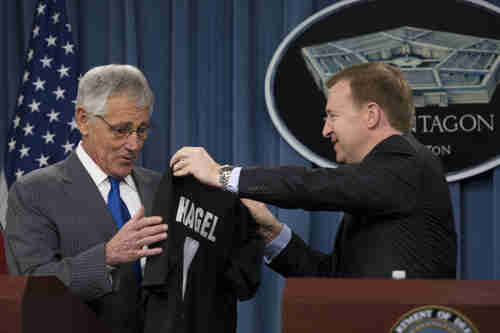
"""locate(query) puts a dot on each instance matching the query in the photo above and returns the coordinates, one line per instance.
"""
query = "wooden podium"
(3, 261)
(43, 304)
(365, 305)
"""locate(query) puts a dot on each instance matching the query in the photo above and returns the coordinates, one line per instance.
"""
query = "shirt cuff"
(273, 248)
(234, 180)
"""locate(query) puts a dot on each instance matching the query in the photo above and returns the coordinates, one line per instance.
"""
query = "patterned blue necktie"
(120, 213)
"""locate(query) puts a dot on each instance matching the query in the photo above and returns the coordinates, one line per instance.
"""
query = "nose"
(133, 142)
(327, 130)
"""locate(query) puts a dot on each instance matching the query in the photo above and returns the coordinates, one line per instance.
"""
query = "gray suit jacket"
(58, 224)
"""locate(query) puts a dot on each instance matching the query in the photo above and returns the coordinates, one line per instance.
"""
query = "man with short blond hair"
(398, 213)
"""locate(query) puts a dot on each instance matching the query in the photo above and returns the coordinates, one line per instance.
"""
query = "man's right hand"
(131, 242)
(197, 162)
(269, 226)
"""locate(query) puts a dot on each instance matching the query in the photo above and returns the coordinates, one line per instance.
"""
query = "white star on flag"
(41, 9)
(28, 129)
(51, 41)
(17, 121)
(73, 124)
(43, 161)
(24, 151)
(63, 71)
(34, 106)
(46, 61)
(31, 53)
(39, 84)
(26, 76)
(12, 144)
(55, 18)
(19, 173)
(59, 93)
(36, 31)
(68, 146)
(68, 48)
(43, 130)
(49, 137)
(53, 116)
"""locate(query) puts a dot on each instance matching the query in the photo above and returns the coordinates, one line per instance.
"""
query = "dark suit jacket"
(58, 224)
(398, 213)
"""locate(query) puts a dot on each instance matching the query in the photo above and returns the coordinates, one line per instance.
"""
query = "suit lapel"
(79, 186)
(143, 183)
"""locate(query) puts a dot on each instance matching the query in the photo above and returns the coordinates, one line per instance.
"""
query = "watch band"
(225, 175)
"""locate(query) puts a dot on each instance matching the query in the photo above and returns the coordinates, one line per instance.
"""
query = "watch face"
(224, 176)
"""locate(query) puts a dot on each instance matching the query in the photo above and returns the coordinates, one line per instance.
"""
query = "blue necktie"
(120, 213)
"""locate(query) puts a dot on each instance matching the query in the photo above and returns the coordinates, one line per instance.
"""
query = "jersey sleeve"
(244, 267)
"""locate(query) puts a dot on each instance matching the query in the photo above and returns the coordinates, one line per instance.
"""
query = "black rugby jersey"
(226, 261)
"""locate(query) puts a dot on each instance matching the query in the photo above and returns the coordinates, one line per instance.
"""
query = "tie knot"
(115, 182)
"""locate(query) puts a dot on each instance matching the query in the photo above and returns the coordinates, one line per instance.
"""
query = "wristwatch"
(225, 175)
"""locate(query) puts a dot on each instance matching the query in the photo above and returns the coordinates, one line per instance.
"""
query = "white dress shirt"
(128, 189)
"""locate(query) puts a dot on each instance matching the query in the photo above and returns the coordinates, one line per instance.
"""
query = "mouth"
(129, 159)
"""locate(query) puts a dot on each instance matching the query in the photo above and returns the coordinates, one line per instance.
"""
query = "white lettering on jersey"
(198, 219)
(181, 210)
(206, 224)
(214, 223)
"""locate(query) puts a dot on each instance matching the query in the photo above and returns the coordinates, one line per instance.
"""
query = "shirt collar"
(95, 172)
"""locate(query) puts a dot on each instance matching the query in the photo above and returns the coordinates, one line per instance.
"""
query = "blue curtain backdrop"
(206, 61)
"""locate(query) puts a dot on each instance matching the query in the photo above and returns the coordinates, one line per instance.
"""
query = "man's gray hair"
(102, 82)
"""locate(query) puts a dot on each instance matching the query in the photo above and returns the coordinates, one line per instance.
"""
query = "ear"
(82, 120)
(374, 115)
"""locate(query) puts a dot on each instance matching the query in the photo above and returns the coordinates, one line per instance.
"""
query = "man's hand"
(269, 226)
(129, 242)
(196, 161)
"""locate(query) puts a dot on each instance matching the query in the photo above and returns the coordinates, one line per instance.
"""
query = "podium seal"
(433, 319)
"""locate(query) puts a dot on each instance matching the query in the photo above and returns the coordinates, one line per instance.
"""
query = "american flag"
(43, 130)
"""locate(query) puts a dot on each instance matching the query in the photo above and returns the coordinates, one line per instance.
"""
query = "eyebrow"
(130, 124)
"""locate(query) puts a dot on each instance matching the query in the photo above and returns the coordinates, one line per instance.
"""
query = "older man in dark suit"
(84, 219)
(398, 214)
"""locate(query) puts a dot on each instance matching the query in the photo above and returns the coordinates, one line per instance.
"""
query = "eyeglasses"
(329, 118)
(124, 131)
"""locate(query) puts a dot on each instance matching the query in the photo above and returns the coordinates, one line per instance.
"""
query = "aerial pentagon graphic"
(443, 68)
